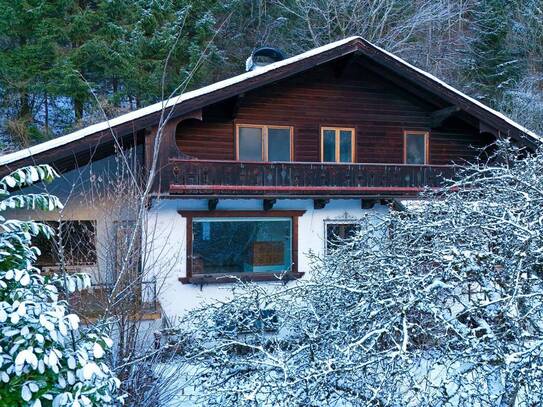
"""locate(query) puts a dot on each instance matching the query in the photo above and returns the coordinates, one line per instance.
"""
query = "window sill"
(201, 279)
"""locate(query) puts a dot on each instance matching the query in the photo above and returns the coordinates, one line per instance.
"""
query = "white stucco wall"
(90, 193)
(166, 242)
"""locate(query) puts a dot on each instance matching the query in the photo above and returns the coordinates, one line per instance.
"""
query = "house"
(256, 171)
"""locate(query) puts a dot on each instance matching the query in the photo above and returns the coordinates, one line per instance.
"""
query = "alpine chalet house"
(256, 171)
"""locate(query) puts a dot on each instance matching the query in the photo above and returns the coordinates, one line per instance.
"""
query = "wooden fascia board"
(86, 150)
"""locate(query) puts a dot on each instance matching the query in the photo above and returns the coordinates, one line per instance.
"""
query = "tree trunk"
(25, 111)
(46, 115)
(78, 109)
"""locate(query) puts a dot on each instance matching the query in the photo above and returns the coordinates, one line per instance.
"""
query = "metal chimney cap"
(273, 54)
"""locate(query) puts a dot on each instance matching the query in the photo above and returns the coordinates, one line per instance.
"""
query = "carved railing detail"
(204, 177)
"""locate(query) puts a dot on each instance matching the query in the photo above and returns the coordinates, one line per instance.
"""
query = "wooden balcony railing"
(218, 178)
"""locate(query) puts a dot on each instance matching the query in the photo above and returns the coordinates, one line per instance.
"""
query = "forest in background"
(64, 64)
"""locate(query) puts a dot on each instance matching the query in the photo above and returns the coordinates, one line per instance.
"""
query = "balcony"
(192, 177)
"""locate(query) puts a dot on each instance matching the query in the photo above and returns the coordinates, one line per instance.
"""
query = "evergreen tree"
(179, 31)
(60, 58)
(494, 64)
(30, 32)
(44, 358)
(57, 56)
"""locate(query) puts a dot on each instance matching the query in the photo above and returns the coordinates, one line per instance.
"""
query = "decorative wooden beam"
(268, 204)
(167, 145)
(212, 204)
(320, 203)
(385, 202)
(439, 116)
(196, 114)
(368, 203)
(397, 205)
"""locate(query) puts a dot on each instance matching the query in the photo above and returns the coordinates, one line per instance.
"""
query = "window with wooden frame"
(264, 143)
(337, 144)
(337, 232)
(223, 246)
(416, 149)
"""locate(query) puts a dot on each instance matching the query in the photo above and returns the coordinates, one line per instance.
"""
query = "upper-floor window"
(415, 147)
(337, 144)
(264, 143)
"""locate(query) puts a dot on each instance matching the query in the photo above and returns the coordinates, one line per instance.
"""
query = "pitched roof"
(221, 90)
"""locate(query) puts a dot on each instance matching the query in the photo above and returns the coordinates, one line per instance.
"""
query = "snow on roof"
(157, 107)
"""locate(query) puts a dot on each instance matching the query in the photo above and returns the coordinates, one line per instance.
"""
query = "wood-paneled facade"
(379, 110)
(350, 86)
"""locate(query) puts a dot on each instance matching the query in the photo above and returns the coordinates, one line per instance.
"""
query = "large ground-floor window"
(248, 245)
(236, 245)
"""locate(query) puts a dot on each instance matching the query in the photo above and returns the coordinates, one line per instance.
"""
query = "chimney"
(263, 56)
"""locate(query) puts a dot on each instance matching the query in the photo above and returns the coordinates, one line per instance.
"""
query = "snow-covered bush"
(439, 305)
(45, 360)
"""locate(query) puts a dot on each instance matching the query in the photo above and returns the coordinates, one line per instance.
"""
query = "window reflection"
(235, 245)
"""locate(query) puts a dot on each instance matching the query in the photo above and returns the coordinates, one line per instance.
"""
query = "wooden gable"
(378, 109)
